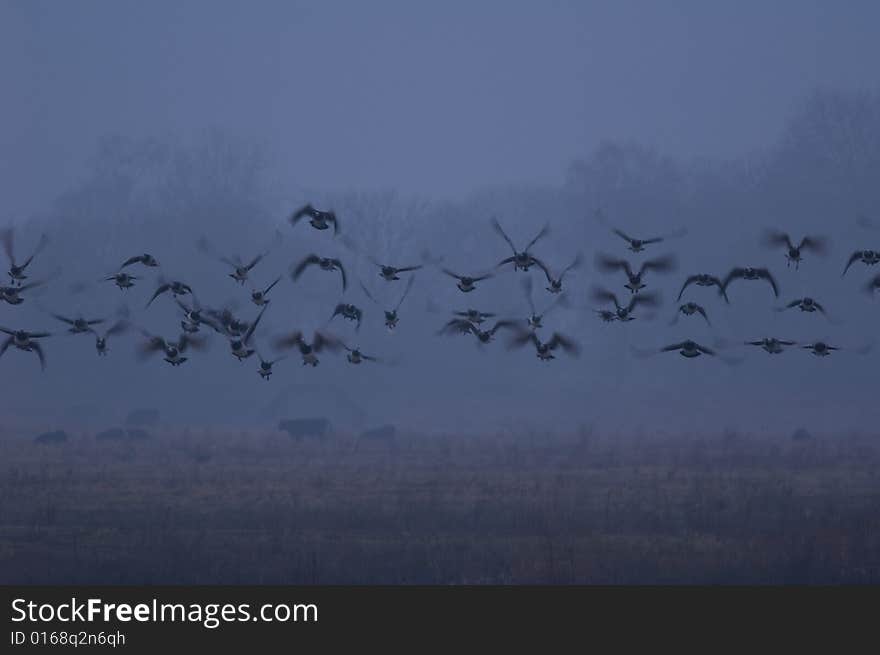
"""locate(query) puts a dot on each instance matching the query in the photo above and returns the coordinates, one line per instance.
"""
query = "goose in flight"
(26, 342)
(750, 273)
(324, 263)
(704, 280)
(320, 220)
(521, 260)
(624, 312)
(17, 270)
(771, 345)
(555, 283)
(635, 283)
(794, 253)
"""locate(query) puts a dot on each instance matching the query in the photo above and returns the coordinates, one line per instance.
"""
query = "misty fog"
(131, 127)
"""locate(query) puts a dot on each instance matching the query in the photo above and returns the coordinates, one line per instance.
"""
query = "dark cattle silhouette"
(385, 434)
(58, 436)
(112, 434)
(143, 417)
(305, 427)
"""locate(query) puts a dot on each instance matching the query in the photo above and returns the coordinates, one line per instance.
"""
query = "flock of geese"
(634, 298)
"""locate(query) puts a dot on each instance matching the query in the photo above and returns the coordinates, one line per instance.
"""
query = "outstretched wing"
(660, 264)
(623, 235)
(527, 290)
(250, 331)
(856, 256)
(646, 299)
(341, 268)
(776, 238)
(540, 235)
(674, 346)
(255, 261)
(603, 296)
(40, 245)
(764, 273)
(8, 239)
(702, 313)
(561, 341)
(367, 292)
(269, 288)
(733, 275)
(608, 264)
(162, 289)
(818, 245)
(305, 210)
(500, 230)
(69, 321)
(305, 263)
(703, 349)
(687, 283)
(409, 285)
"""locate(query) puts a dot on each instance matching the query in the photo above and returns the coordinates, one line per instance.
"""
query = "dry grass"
(195, 507)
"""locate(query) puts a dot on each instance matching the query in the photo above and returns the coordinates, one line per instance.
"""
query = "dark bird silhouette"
(390, 273)
(25, 341)
(535, 320)
(79, 325)
(523, 259)
(173, 351)
(805, 304)
(474, 316)
(461, 326)
(265, 370)
(355, 356)
(633, 244)
(688, 349)
(544, 350)
(241, 349)
(194, 317)
(12, 294)
(176, 288)
(872, 285)
(240, 270)
(349, 312)
(325, 264)
(309, 351)
(146, 259)
(820, 348)
(772, 345)
(635, 283)
(391, 315)
(466, 283)
(793, 254)
(555, 283)
(624, 313)
(259, 297)
(689, 309)
(320, 220)
(867, 257)
(122, 280)
(119, 327)
(749, 273)
(704, 280)
(17, 270)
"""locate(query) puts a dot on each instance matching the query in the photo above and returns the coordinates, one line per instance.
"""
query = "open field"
(207, 507)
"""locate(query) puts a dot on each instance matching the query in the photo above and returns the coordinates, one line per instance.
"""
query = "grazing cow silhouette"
(58, 436)
(144, 417)
(305, 427)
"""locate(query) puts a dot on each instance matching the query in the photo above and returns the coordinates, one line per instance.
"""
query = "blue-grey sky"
(450, 100)
(423, 96)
